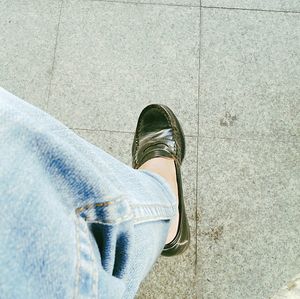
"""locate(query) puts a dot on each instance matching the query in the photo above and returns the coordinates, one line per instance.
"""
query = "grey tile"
(27, 38)
(113, 59)
(34, 92)
(290, 5)
(170, 277)
(250, 73)
(248, 241)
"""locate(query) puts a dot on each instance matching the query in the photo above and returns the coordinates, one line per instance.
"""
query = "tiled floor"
(230, 70)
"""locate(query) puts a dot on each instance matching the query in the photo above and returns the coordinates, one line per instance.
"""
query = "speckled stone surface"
(27, 39)
(288, 5)
(248, 236)
(250, 74)
(34, 92)
(113, 59)
(170, 277)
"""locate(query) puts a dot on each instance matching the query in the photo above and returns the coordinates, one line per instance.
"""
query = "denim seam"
(138, 220)
(157, 212)
(76, 289)
(131, 216)
(98, 204)
(118, 221)
(91, 205)
(91, 264)
(80, 209)
(154, 214)
(93, 258)
(151, 205)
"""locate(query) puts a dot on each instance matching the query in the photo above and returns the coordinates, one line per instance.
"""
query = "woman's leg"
(99, 222)
(165, 167)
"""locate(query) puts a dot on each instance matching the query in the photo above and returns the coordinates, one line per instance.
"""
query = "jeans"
(75, 222)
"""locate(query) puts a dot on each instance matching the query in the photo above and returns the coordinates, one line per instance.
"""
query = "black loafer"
(159, 134)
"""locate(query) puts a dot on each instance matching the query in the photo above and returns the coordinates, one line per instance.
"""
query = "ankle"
(164, 167)
(159, 165)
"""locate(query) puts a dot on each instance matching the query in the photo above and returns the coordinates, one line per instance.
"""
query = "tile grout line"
(54, 55)
(250, 9)
(145, 3)
(261, 139)
(197, 148)
(196, 6)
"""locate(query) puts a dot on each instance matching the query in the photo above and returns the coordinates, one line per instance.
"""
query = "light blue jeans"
(75, 222)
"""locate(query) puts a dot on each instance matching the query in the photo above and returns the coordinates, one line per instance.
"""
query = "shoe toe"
(152, 120)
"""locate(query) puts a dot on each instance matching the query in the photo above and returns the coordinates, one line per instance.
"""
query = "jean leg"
(102, 218)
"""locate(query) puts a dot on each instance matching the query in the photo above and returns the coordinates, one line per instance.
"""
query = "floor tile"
(27, 38)
(248, 236)
(113, 59)
(290, 5)
(34, 92)
(250, 73)
(170, 277)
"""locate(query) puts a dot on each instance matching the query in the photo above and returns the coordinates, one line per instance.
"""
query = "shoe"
(159, 134)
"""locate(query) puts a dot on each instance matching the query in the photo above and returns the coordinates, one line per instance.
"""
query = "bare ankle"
(165, 167)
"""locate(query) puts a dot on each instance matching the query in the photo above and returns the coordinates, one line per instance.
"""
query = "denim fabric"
(75, 222)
